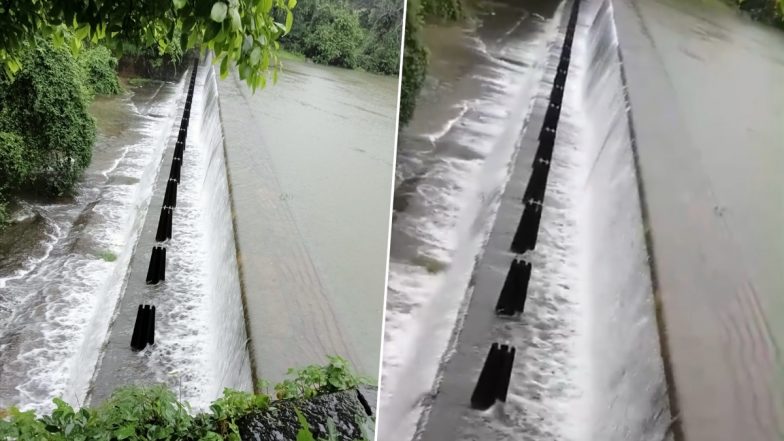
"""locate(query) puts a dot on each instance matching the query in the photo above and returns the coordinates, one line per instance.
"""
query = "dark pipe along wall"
(144, 327)
(494, 378)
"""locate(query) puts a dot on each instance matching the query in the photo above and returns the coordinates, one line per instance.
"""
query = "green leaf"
(266, 6)
(125, 431)
(265, 61)
(236, 21)
(255, 56)
(179, 4)
(292, 4)
(218, 13)
(224, 68)
(82, 32)
(289, 21)
(303, 434)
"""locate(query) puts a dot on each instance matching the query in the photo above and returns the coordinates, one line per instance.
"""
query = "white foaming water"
(201, 341)
(61, 303)
(588, 364)
(464, 106)
(450, 215)
(52, 234)
(627, 388)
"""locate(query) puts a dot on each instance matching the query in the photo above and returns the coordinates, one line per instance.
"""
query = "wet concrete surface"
(310, 170)
(119, 365)
(706, 95)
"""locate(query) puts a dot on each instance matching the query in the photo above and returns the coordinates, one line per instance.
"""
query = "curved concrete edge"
(664, 345)
(243, 289)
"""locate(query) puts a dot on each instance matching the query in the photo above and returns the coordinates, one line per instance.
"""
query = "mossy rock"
(280, 423)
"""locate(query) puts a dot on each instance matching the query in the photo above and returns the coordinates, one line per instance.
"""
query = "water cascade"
(200, 339)
(588, 363)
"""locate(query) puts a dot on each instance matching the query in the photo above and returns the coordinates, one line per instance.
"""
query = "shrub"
(381, 53)
(15, 166)
(444, 9)
(348, 34)
(3, 217)
(766, 11)
(317, 380)
(46, 106)
(154, 413)
(414, 63)
(99, 70)
(337, 41)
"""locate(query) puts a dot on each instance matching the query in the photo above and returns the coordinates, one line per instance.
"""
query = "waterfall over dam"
(57, 306)
(588, 361)
(200, 341)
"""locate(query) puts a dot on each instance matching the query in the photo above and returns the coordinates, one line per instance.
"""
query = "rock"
(279, 422)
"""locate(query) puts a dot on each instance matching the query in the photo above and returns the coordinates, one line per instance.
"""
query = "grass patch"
(107, 256)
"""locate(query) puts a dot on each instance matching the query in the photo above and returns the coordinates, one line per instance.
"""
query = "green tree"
(443, 9)
(414, 63)
(238, 31)
(327, 27)
(49, 132)
(15, 167)
(381, 49)
(99, 70)
(337, 41)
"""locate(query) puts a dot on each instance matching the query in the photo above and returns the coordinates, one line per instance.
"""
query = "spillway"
(56, 305)
(588, 361)
(200, 339)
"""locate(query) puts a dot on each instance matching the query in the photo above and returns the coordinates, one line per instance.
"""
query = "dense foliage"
(48, 132)
(317, 380)
(154, 413)
(767, 11)
(414, 62)
(335, 40)
(358, 34)
(415, 53)
(237, 31)
(444, 9)
(99, 70)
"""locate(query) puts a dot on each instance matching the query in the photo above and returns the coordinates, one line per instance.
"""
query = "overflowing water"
(73, 270)
(628, 394)
(64, 266)
(588, 362)
(200, 329)
(453, 160)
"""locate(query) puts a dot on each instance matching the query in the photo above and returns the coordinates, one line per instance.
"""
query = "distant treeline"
(356, 34)
(766, 11)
